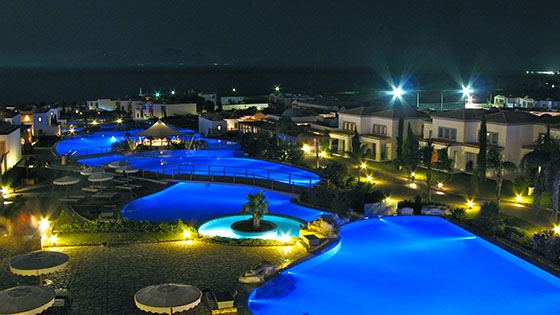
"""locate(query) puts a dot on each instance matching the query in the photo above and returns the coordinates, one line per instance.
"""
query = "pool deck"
(100, 280)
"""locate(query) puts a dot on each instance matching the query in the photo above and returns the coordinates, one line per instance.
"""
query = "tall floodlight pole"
(441, 106)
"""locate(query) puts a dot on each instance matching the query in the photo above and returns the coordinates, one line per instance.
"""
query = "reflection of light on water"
(222, 227)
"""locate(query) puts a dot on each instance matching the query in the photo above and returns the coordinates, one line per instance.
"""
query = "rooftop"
(512, 117)
(211, 116)
(7, 128)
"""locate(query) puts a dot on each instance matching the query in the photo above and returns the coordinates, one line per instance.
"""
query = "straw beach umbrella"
(167, 298)
(38, 263)
(118, 164)
(99, 178)
(66, 181)
(26, 300)
(127, 170)
(91, 170)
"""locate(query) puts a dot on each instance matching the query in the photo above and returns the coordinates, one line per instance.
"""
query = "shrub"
(521, 185)
(415, 204)
(516, 234)
(547, 243)
(336, 172)
(459, 214)
(123, 226)
(488, 219)
(121, 147)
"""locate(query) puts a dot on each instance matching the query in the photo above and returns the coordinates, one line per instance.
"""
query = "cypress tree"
(400, 139)
(482, 145)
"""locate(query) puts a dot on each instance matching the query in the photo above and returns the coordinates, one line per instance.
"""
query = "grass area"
(459, 182)
(522, 224)
(112, 238)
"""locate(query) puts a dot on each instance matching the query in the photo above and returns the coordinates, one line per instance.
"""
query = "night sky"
(418, 35)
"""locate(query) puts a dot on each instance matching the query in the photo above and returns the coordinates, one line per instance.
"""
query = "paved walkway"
(397, 186)
(104, 280)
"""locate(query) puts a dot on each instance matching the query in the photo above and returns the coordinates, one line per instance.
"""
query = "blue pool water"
(211, 162)
(413, 265)
(198, 202)
(101, 141)
(285, 227)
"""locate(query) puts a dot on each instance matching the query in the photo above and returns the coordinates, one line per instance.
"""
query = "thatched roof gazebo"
(159, 130)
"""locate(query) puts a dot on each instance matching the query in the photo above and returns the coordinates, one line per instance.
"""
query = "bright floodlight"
(397, 92)
(173, 92)
(157, 94)
(234, 90)
(557, 229)
(44, 225)
(277, 88)
(467, 90)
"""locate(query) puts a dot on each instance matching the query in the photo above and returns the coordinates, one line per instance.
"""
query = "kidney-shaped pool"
(410, 265)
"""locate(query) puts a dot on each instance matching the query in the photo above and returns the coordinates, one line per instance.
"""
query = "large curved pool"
(198, 202)
(211, 162)
(411, 265)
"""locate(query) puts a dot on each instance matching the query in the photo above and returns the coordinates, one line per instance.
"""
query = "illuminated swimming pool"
(285, 227)
(101, 141)
(412, 265)
(211, 162)
(198, 202)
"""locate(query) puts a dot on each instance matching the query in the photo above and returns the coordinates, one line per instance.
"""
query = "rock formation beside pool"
(323, 230)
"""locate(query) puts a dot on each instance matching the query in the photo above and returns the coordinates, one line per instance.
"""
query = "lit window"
(379, 130)
(219, 127)
(40, 119)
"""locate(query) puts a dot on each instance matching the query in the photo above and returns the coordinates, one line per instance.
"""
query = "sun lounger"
(79, 197)
(61, 303)
(135, 185)
(106, 216)
(61, 293)
(125, 187)
(108, 195)
(68, 200)
(224, 301)
(90, 189)
(119, 181)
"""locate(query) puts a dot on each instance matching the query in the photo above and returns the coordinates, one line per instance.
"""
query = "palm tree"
(257, 207)
(497, 164)
(358, 154)
(545, 159)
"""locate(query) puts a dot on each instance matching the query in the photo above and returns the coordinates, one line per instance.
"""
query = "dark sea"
(21, 86)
